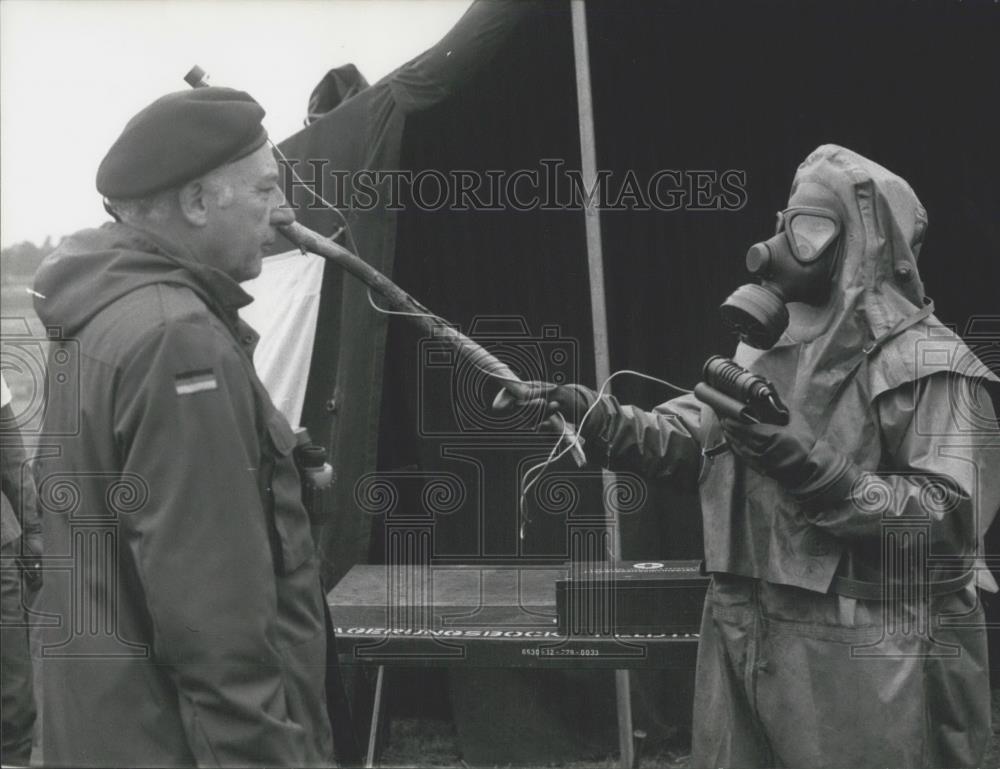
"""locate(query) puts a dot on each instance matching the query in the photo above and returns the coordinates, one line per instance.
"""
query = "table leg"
(623, 692)
(375, 729)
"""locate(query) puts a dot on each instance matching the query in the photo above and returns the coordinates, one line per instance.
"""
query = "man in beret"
(190, 616)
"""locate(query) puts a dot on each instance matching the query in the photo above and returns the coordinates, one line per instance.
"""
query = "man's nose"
(281, 216)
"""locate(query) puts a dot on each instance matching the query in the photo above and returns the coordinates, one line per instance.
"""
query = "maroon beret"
(180, 137)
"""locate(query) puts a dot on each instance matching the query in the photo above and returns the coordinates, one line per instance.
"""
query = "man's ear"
(192, 199)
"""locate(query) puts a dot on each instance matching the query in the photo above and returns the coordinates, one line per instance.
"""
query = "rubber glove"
(792, 455)
(570, 401)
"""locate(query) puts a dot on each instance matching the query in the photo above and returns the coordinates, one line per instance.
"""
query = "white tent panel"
(284, 312)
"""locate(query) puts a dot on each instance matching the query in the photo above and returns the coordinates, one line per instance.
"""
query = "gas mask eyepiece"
(796, 265)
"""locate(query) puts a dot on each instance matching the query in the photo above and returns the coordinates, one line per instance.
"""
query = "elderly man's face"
(245, 208)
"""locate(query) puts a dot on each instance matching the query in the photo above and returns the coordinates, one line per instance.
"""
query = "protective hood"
(93, 268)
(876, 293)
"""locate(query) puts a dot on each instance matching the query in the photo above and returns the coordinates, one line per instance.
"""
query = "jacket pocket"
(289, 518)
(792, 611)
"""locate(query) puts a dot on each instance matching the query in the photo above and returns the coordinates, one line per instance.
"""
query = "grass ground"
(427, 742)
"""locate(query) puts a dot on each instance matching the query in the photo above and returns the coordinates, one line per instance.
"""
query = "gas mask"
(796, 265)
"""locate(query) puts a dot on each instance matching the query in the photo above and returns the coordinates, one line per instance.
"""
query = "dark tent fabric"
(337, 86)
(365, 132)
(694, 88)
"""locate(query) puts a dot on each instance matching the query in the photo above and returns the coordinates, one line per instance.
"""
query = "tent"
(695, 89)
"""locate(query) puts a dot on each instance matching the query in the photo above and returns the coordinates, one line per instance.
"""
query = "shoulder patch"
(190, 382)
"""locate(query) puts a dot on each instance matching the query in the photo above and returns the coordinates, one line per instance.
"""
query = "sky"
(72, 72)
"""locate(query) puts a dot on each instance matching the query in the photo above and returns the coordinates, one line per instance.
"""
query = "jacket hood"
(93, 268)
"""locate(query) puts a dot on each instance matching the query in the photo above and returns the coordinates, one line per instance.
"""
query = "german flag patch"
(191, 382)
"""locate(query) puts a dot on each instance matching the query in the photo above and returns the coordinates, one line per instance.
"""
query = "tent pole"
(598, 311)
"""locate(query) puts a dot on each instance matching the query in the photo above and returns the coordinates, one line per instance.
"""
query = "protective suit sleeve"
(185, 420)
(932, 469)
(659, 444)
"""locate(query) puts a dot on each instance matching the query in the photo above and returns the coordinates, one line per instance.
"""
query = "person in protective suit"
(842, 626)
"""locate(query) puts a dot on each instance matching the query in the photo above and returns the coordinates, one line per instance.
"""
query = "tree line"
(22, 259)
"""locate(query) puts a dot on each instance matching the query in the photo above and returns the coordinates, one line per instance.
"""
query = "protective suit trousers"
(791, 678)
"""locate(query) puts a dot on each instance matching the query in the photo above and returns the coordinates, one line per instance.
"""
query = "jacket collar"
(221, 290)
(223, 294)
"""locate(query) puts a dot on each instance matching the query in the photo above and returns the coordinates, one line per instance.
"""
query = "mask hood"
(875, 287)
(876, 282)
